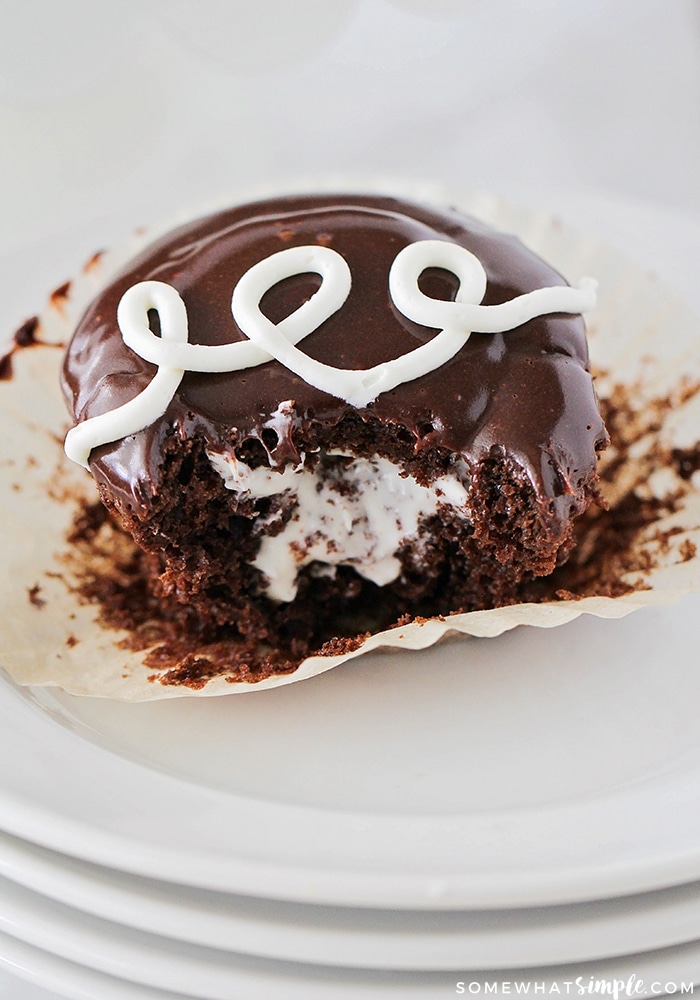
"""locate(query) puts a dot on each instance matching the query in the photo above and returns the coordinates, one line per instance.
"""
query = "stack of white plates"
(517, 810)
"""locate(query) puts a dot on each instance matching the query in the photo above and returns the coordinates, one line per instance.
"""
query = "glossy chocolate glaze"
(525, 393)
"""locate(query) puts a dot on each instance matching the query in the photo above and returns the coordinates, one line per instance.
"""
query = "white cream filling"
(358, 515)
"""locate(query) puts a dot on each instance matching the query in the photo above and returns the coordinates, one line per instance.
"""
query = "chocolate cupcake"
(323, 413)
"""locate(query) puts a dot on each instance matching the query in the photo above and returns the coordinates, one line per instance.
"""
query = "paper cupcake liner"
(645, 347)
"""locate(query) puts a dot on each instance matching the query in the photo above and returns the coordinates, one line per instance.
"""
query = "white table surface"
(113, 115)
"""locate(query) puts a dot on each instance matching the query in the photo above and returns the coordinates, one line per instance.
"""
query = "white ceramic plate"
(66, 979)
(53, 931)
(13, 987)
(540, 767)
(355, 938)
(430, 789)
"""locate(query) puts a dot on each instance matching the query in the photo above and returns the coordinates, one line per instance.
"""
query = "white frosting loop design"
(173, 354)
(153, 401)
(465, 313)
(333, 292)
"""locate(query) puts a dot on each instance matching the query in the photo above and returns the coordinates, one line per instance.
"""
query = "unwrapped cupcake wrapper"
(641, 337)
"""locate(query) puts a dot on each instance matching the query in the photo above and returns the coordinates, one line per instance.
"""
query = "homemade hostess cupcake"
(318, 414)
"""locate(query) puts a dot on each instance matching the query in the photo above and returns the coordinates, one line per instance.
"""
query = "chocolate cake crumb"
(616, 544)
(93, 261)
(59, 295)
(687, 461)
(688, 550)
(35, 598)
(25, 336)
(341, 646)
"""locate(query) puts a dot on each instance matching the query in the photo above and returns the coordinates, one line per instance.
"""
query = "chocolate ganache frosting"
(525, 394)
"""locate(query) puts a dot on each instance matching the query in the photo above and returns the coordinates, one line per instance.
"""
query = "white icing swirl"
(152, 402)
(173, 354)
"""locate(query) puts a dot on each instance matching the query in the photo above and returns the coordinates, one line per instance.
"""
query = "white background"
(114, 115)
(119, 114)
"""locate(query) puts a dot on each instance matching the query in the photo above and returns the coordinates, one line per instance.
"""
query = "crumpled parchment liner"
(641, 336)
